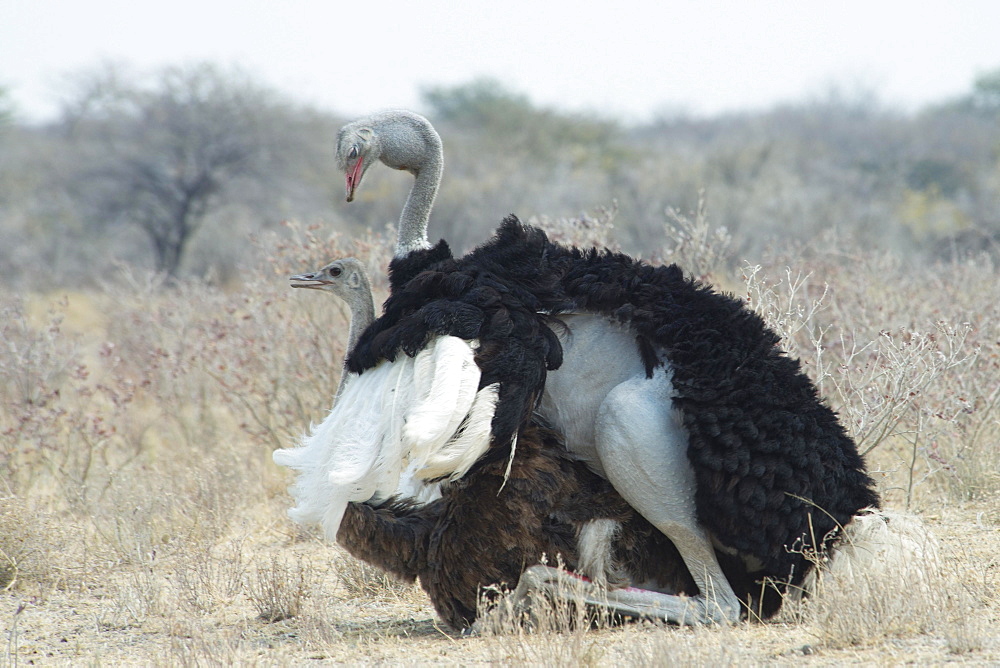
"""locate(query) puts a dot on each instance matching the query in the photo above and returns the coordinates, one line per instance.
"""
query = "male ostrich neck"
(409, 142)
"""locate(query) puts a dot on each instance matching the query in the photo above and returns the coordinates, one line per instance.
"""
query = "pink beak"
(353, 178)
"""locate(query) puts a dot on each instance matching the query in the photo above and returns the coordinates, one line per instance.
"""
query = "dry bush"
(211, 577)
(278, 589)
(362, 580)
(595, 229)
(699, 247)
(301, 248)
(59, 421)
(908, 385)
(136, 592)
(29, 538)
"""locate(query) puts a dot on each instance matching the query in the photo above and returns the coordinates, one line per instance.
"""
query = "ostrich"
(487, 527)
(676, 394)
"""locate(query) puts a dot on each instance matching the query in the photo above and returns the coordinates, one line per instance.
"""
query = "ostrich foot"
(560, 585)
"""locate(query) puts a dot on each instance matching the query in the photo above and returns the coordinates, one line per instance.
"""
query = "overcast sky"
(633, 60)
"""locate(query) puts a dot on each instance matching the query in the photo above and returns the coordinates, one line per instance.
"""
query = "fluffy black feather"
(474, 298)
(403, 269)
(773, 464)
(774, 467)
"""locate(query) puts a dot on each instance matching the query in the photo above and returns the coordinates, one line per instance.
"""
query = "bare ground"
(395, 624)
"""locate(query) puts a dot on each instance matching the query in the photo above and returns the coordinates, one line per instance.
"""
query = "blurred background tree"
(176, 170)
(168, 155)
(986, 93)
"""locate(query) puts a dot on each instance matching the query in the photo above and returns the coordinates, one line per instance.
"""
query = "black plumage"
(767, 452)
(474, 297)
(775, 470)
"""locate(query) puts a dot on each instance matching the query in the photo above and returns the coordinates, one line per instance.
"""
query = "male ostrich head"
(357, 149)
(401, 139)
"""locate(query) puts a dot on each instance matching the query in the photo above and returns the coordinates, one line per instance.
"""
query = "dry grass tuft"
(210, 578)
(563, 631)
(550, 631)
(278, 589)
(29, 538)
(362, 580)
(877, 585)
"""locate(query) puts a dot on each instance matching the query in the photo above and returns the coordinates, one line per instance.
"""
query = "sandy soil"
(73, 625)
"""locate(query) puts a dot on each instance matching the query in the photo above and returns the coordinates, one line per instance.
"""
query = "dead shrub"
(278, 589)
(28, 540)
(362, 580)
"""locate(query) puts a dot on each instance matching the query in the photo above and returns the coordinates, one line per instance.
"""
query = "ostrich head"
(402, 140)
(345, 278)
(357, 148)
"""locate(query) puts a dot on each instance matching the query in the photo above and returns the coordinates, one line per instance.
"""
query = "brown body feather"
(486, 530)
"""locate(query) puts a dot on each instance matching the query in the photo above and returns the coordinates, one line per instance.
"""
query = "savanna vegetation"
(153, 355)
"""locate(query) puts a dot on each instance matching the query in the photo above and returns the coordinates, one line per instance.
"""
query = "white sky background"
(630, 61)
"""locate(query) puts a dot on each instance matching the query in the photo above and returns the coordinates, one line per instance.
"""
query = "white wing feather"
(447, 377)
(393, 428)
(455, 458)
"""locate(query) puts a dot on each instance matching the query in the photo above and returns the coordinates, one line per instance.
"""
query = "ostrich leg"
(642, 448)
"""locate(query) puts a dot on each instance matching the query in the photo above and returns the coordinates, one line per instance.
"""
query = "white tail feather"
(412, 487)
(344, 459)
(365, 450)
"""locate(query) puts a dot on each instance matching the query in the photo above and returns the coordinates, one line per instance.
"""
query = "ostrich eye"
(336, 271)
(353, 152)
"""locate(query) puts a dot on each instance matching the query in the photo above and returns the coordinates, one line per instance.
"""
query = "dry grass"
(142, 521)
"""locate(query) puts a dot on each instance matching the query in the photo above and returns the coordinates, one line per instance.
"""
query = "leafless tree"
(163, 156)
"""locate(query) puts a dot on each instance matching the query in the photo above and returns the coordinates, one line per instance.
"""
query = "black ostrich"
(676, 394)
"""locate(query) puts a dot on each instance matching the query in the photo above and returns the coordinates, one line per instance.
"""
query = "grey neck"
(362, 307)
(408, 141)
(362, 315)
(412, 233)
